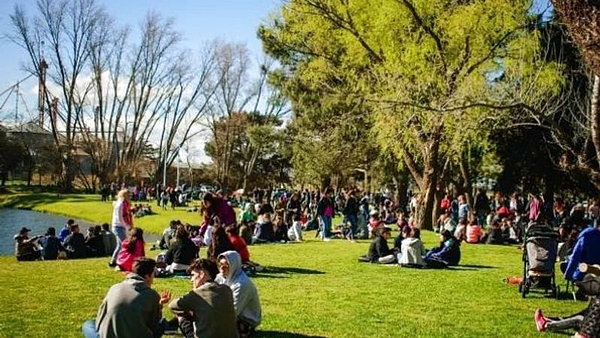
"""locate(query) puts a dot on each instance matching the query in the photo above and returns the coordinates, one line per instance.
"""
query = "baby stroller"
(539, 257)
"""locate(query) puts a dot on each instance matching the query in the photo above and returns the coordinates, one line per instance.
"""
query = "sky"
(199, 21)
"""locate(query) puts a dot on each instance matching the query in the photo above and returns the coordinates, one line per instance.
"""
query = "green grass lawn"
(310, 289)
(90, 208)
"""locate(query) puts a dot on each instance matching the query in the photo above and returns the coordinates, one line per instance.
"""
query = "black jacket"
(379, 248)
(75, 244)
(351, 207)
(182, 251)
(51, 247)
(323, 204)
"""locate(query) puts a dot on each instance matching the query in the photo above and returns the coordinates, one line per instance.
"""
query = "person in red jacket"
(240, 246)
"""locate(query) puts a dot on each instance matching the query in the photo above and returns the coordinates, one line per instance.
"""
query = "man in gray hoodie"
(245, 295)
(131, 308)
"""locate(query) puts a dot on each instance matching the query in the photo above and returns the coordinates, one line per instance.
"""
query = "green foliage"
(12, 153)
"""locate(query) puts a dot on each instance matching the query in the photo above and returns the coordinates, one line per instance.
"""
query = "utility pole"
(17, 103)
(42, 91)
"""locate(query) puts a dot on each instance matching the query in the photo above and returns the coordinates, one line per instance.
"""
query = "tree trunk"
(595, 116)
(431, 172)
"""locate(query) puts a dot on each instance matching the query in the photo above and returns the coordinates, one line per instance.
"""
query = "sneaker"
(111, 264)
(326, 239)
(540, 320)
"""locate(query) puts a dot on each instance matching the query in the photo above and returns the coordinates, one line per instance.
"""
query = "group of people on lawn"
(223, 302)
(70, 243)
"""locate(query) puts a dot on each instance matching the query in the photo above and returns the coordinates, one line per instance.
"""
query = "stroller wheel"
(524, 289)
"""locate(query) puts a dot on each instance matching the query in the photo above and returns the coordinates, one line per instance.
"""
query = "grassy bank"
(309, 289)
(90, 208)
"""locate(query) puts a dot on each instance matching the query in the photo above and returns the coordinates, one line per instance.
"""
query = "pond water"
(12, 220)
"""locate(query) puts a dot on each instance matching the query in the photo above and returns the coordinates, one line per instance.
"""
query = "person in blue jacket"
(586, 250)
(446, 254)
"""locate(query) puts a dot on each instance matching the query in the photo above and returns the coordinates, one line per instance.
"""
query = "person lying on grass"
(131, 308)
(207, 310)
(379, 252)
(245, 295)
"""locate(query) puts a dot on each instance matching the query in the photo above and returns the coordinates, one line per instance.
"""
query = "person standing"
(351, 213)
(325, 210)
(131, 308)
(122, 221)
(207, 310)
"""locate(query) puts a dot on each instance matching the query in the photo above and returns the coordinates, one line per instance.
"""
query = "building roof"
(29, 127)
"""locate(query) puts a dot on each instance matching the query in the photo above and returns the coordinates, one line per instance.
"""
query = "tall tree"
(426, 69)
(62, 32)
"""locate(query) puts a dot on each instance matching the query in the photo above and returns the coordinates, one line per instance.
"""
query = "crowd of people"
(70, 243)
(281, 217)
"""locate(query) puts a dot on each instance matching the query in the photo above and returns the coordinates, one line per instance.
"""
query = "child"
(132, 248)
(474, 233)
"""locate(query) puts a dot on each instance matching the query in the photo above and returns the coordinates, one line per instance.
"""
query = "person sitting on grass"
(587, 321)
(264, 232)
(412, 250)
(207, 310)
(131, 308)
(281, 230)
(168, 235)
(245, 296)
(181, 253)
(295, 231)
(374, 223)
(109, 240)
(25, 247)
(494, 236)
(219, 243)
(586, 250)
(239, 245)
(131, 249)
(75, 244)
(65, 231)
(51, 245)
(379, 252)
(474, 233)
(93, 243)
(446, 254)
(245, 231)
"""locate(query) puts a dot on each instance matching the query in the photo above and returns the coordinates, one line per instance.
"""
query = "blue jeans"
(353, 220)
(120, 234)
(89, 329)
(326, 231)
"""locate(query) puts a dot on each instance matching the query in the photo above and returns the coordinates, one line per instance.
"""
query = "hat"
(24, 230)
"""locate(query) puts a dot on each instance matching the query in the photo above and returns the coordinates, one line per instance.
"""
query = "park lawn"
(91, 209)
(309, 289)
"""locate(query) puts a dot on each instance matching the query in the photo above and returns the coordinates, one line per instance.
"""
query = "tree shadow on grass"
(470, 267)
(284, 272)
(279, 334)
